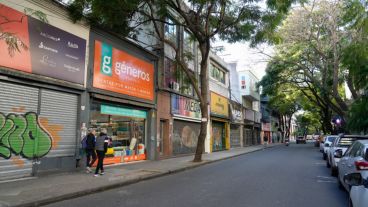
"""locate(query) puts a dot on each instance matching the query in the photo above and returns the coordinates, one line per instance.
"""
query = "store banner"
(113, 110)
(185, 107)
(219, 105)
(120, 72)
(50, 51)
(236, 112)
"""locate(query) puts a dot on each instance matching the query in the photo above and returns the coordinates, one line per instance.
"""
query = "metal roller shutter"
(235, 135)
(185, 136)
(60, 112)
(17, 100)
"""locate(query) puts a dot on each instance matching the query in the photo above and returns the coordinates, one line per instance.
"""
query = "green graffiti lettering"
(4, 138)
(37, 142)
(15, 139)
(23, 134)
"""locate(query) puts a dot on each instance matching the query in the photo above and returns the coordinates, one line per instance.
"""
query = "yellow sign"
(219, 105)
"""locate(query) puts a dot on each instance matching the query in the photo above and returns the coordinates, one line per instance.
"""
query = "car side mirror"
(327, 145)
(338, 153)
(353, 179)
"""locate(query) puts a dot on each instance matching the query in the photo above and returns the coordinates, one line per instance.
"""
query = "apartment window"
(217, 74)
(176, 79)
(242, 82)
(188, 42)
(170, 30)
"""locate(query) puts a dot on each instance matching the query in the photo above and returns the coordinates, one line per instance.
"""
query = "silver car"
(359, 188)
(340, 145)
(328, 140)
(354, 160)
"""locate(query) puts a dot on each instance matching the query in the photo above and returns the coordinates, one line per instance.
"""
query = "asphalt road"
(293, 176)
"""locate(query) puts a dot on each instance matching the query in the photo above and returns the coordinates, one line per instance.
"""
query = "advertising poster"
(120, 72)
(49, 51)
(186, 107)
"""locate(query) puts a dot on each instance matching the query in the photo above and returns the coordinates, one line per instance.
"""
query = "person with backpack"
(102, 142)
(88, 143)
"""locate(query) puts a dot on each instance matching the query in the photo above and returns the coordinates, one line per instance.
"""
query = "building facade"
(42, 89)
(251, 103)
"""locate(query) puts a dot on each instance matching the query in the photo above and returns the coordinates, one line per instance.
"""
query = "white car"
(328, 140)
(341, 144)
(354, 160)
(359, 188)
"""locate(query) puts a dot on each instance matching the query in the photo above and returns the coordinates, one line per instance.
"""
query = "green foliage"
(358, 120)
(308, 122)
(114, 15)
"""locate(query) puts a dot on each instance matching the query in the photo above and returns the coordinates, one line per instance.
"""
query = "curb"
(69, 196)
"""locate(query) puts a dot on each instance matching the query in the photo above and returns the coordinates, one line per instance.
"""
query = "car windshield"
(331, 139)
(346, 141)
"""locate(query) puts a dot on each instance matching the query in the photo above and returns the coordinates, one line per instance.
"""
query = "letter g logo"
(106, 62)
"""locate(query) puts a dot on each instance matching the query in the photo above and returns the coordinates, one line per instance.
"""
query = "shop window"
(217, 74)
(126, 133)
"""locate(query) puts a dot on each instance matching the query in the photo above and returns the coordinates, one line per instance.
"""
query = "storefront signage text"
(112, 110)
(236, 113)
(51, 52)
(219, 105)
(183, 106)
(120, 72)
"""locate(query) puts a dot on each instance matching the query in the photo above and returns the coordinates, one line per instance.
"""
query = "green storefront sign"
(112, 110)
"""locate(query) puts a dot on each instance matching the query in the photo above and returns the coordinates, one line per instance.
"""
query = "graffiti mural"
(23, 134)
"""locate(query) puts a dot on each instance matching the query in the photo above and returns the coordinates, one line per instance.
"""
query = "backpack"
(84, 142)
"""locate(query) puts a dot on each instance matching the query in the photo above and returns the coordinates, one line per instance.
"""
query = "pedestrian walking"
(101, 148)
(90, 143)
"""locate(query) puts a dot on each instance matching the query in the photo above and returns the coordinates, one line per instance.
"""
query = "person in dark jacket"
(90, 149)
(102, 142)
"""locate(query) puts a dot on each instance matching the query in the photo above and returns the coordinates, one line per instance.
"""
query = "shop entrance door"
(218, 134)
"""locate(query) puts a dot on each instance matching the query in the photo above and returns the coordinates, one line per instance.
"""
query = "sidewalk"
(56, 187)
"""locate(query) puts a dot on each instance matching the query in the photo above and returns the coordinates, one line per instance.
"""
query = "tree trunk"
(204, 48)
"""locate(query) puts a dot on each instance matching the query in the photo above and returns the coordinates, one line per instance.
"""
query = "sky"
(254, 59)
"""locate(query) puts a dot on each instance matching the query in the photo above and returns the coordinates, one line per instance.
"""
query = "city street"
(294, 176)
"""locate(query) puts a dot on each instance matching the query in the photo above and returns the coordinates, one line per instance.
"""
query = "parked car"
(301, 139)
(321, 145)
(358, 196)
(326, 145)
(340, 145)
(354, 160)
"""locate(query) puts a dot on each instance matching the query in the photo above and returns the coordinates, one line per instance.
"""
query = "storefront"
(122, 98)
(236, 126)
(186, 126)
(248, 138)
(40, 95)
(266, 127)
(220, 130)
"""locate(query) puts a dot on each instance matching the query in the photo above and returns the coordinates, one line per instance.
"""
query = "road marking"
(325, 177)
(326, 181)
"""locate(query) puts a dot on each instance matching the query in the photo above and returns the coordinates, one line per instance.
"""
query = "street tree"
(230, 20)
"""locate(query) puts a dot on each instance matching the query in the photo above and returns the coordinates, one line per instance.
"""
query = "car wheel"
(328, 165)
(350, 203)
(333, 171)
(339, 184)
(324, 156)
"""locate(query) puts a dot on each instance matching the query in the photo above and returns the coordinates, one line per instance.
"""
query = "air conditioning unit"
(174, 85)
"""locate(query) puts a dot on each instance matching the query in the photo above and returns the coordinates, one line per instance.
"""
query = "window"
(217, 74)
(242, 82)
(176, 79)
(170, 30)
(188, 42)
